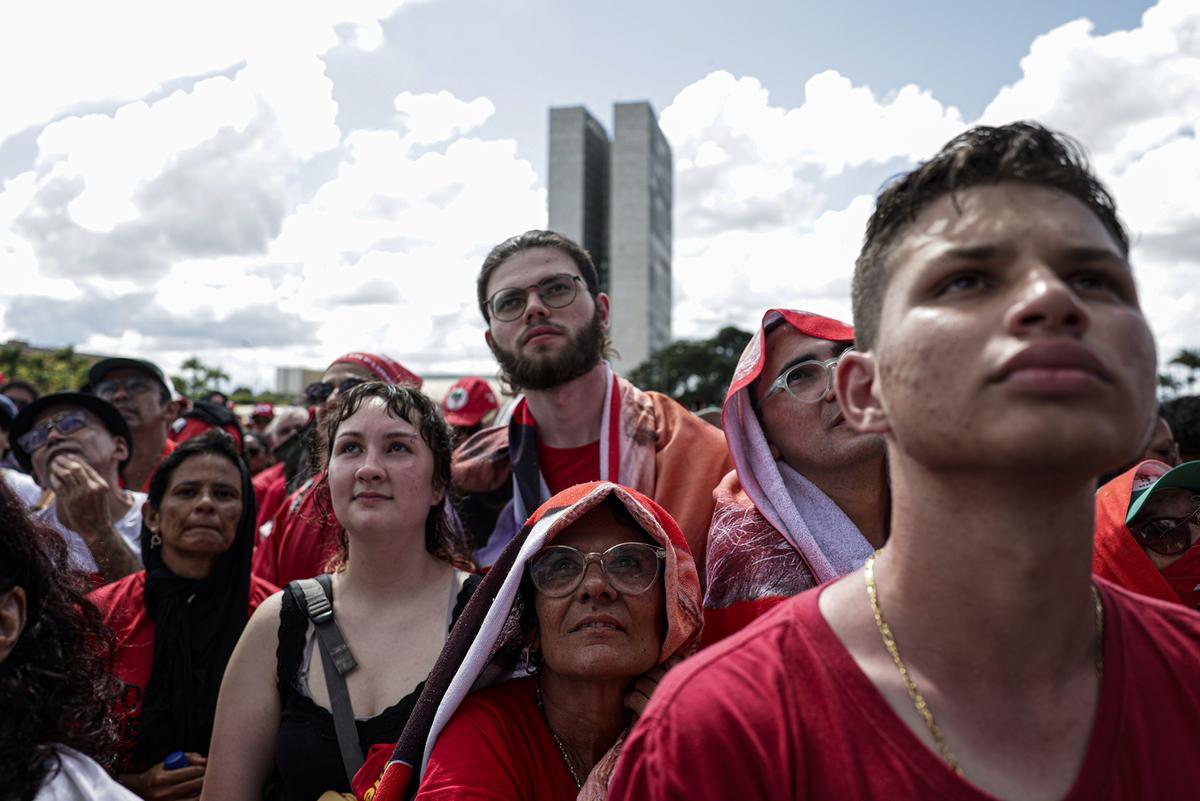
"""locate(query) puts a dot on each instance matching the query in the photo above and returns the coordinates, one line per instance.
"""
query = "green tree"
(199, 377)
(1189, 360)
(694, 372)
(49, 371)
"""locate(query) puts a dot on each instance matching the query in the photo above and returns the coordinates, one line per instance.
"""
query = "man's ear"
(487, 337)
(857, 386)
(12, 620)
(602, 306)
(120, 449)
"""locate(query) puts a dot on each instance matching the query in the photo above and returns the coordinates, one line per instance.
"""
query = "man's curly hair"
(55, 686)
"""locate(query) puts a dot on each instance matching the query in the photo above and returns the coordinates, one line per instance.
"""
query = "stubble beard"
(582, 353)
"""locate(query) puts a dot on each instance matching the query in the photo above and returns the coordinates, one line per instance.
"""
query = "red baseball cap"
(468, 402)
(266, 410)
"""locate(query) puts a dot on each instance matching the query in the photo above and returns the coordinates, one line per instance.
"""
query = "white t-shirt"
(80, 779)
(22, 485)
(128, 527)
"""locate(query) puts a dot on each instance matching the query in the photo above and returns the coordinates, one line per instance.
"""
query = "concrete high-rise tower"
(615, 200)
(578, 195)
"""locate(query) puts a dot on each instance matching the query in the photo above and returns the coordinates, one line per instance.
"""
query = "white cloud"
(1133, 99)
(231, 217)
(84, 52)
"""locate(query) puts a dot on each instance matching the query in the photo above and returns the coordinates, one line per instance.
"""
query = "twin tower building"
(613, 196)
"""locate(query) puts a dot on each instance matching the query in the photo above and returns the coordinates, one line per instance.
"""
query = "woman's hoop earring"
(533, 660)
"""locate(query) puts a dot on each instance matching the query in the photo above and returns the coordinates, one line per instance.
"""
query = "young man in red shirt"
(1005, 359)
(576, 421)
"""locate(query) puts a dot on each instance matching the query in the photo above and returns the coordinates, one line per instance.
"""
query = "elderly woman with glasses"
(302, 537)
(808, 500)
(1147, 530)
(562, 643)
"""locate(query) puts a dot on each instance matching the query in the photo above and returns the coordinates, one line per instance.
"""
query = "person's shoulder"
(507, 701)
(487, 442)
(673, 418)
(719, 672)
(260, 591)
(1173, 626)
(22, 485)
(77, 777)
(120, 597)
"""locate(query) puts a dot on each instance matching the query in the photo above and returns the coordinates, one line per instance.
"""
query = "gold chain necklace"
(562, 749)
(889, 642)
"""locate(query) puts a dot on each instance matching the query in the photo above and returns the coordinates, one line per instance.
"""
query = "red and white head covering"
(469, 400)
(770, 491)
(382, 367)
(490, 622)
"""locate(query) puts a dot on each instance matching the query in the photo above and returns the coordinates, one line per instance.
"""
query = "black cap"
(100, 369)
(107, 413)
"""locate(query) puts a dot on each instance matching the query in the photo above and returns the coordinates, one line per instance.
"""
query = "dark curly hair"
(444, 538)
(1024, 152)
(55, 685)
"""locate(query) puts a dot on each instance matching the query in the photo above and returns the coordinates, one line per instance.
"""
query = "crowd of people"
(947, 551)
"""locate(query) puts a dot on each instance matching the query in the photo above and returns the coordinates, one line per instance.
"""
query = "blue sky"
(527, 55)
(272, 184)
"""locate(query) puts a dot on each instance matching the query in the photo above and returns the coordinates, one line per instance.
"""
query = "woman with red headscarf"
(1147, 529)
(303, 535)
(560, 657)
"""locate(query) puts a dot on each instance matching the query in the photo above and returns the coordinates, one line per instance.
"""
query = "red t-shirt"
(497, 747)
(122, 605)
(270, 490)
(303, 537)
(782, 711)
(566, 467)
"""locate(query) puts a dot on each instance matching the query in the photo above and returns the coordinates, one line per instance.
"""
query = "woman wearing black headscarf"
(176, 622)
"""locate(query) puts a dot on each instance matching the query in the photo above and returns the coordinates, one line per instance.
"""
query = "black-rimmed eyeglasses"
(631, 568)
(556, 292)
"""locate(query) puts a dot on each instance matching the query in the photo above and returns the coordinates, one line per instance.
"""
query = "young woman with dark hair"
(394, 585)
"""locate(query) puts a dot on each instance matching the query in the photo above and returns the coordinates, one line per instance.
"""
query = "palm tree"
(1190, 361)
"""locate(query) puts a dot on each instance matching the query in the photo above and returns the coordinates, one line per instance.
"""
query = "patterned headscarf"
(489, 627)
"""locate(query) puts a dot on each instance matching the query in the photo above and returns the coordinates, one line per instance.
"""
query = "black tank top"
(307, 758)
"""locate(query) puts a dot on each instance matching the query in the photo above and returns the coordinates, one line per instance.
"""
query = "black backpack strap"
(315, 596)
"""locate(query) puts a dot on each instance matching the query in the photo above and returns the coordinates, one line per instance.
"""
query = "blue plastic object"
(175, 760)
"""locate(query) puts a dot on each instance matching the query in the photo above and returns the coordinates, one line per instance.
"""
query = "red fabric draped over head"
(382, 367)
(1118, 557)
(487, 625)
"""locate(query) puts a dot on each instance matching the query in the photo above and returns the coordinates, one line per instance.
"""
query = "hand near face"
(646, 684)
(82, 495)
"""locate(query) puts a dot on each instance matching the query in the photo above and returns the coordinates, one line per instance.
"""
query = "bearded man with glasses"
(575, 421)
(77, 446)
(808, 500)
